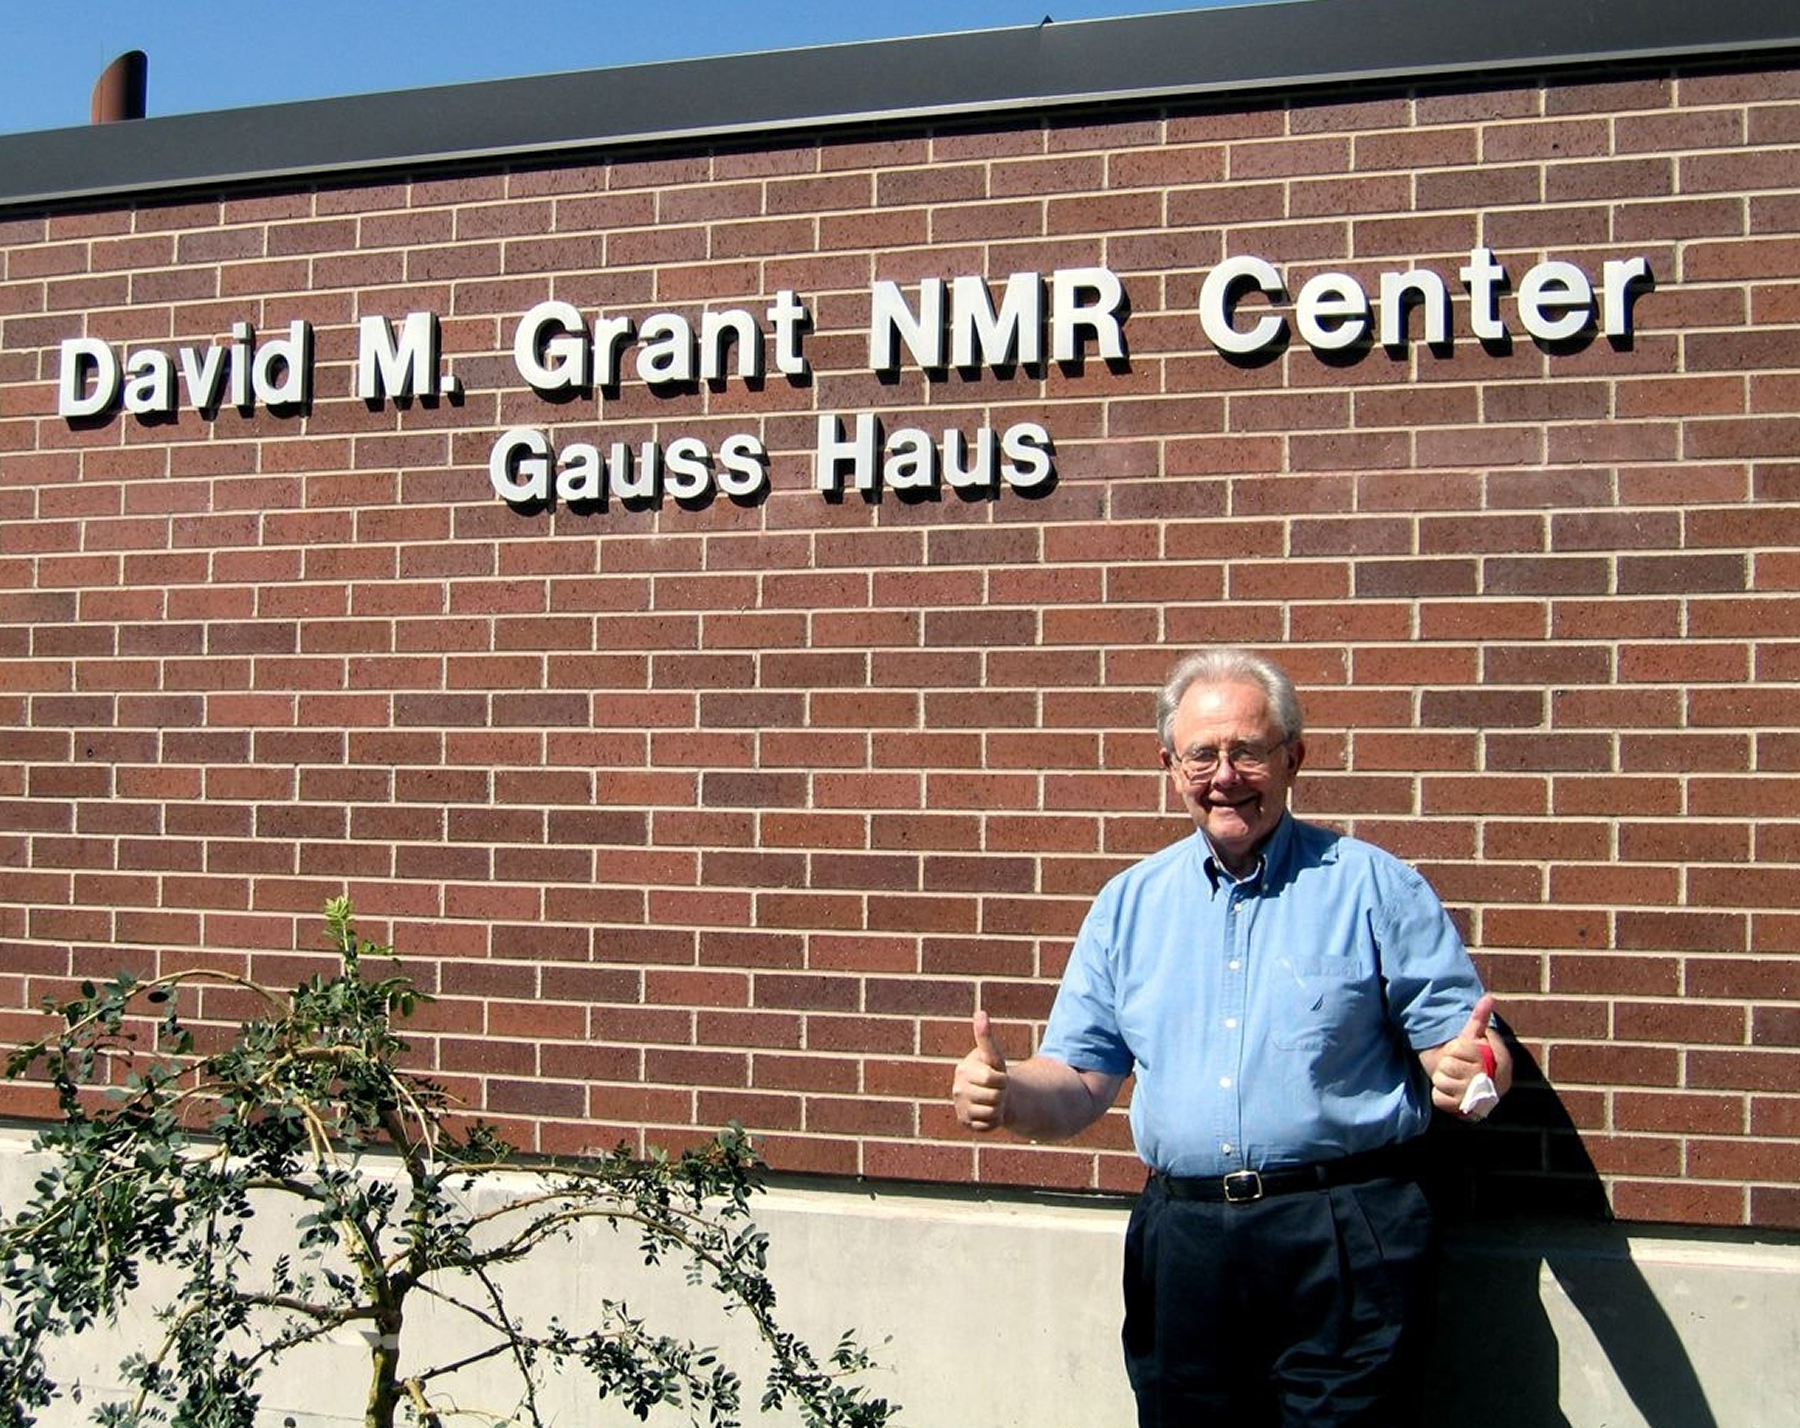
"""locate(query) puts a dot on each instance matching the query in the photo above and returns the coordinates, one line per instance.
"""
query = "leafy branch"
(164, 1155)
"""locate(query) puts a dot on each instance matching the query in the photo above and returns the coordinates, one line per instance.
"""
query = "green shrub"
(164, 1156)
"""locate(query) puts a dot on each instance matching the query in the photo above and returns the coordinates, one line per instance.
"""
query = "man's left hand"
(1460, 1060)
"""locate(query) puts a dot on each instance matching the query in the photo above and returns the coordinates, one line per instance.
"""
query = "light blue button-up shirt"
(1270, 1021)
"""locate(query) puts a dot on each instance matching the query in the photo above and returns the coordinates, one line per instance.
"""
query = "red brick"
(820, 775)
(1678, 1201)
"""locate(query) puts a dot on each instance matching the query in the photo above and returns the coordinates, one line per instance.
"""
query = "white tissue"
(1481, 1097)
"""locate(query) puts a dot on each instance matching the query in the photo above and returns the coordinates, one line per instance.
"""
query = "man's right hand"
(979, 1092)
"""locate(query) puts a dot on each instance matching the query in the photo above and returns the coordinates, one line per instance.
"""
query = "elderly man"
(1292, 1003)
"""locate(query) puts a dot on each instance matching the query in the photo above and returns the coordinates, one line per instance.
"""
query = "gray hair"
(1227, 665)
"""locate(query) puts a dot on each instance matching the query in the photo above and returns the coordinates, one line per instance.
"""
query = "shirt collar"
(1271, 858)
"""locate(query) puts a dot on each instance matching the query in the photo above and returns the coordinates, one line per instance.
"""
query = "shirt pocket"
(1316, 1003)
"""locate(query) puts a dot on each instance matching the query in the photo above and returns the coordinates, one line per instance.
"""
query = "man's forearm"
(1048, 1100)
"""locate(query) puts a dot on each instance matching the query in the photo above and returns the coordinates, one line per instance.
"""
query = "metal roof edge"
(1258, 48)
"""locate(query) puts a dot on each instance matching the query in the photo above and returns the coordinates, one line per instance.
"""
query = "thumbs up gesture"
(979, 1091)
(1468, 1076)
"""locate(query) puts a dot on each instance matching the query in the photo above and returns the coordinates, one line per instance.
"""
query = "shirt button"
(1234, 964)
(1231, 1023)
(1225, 1147)
(1224, 1082)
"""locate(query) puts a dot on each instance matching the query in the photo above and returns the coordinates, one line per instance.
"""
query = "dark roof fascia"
(1243, 49)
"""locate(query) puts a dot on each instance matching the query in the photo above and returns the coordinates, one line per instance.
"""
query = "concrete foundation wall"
(1001, 1312)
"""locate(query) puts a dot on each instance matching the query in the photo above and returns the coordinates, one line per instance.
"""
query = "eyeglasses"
(1246, 758)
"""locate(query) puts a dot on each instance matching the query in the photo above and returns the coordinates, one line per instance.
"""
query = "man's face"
(1236, 808)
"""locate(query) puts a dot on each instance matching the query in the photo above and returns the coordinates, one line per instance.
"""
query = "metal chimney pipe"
(123, 89)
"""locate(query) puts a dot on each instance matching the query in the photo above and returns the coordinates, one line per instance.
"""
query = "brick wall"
(739, 809)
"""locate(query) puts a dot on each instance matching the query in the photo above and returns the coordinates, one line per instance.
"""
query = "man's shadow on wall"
(1519, 1195)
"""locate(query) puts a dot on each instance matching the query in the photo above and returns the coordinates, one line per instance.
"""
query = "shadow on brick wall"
(1522, 1204)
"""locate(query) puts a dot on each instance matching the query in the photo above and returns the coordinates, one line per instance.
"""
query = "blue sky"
(225, 56)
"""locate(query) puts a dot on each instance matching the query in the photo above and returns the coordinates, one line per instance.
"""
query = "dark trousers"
(1300, 1310)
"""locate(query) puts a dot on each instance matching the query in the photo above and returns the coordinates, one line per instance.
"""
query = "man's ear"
(1299, 748)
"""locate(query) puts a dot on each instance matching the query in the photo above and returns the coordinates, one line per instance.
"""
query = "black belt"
(1243, 1187)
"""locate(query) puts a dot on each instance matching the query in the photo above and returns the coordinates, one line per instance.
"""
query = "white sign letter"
(406, 369)
(80, 356)
(1016, 334)
(549, 348)
(889, 316)
(1070, 316)
(860, 451)
(1483, 277)
(1216, 303)
(1619, 275)
(1550, 288)
(1332, 311)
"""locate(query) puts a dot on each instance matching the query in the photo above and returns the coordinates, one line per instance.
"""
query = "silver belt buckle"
(1242, 1187)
